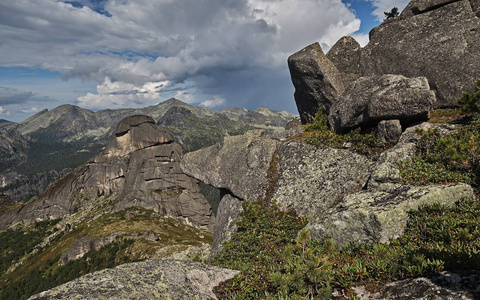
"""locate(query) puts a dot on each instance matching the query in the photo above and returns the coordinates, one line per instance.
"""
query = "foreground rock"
(316, 79)
(164, 279)
(369, 100)
(444, 286)
(310, 180)
(436, 39)
(140, 166)
(377, 216)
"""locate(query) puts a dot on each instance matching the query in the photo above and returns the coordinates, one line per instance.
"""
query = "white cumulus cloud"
(3, 111)
(120, 94)
(216, 101)
(128, 47)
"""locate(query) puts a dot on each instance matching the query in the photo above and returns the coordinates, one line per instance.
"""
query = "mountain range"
(47, 145)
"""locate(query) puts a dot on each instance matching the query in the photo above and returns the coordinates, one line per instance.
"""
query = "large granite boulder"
(140, 166)
(317, 81)
(239, 164)
(369, 100)
(310, 180)
(442, 286)
(437, 39)
(375, 216)
(162, 279)
(345, 55)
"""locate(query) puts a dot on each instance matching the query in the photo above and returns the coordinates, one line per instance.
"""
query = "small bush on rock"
(319, 134)
(469, 100)
(454, 157)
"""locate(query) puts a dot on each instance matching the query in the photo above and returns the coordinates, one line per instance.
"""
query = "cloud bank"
(213, 52)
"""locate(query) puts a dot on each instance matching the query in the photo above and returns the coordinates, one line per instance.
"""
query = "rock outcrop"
(346, 195)
(163, 279)
(345, 55)
(228, 214)
(317, 81)
(140, 166)
(375, 216)
(369, 100)
(239, 164)
(437, 39)
(310, 180)
(444, 286)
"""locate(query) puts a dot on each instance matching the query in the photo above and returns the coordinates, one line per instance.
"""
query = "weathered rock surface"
(140, 166)
(388, 132)
(370, 216)
(369, 100)
(87, 243)
(317, 81)
(345, 55)
(444, 286)
(163, 279)
(228, 214)
(311, 180)
(433, 38)
(293, 123)
(238, 164)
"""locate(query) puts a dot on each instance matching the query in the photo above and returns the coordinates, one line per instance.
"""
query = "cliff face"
(139, 167)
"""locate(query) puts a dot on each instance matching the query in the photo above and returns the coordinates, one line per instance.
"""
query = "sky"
(101, 54)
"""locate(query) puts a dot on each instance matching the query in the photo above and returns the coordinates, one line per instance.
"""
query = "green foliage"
(450, 235)
(318, 133)
(16, 243)
(319, 123)
(278, 260)
(392, 13)
(446, 158)
(51, 275)
(469, 100)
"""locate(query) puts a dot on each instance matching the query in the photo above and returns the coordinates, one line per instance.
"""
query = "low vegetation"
(278, 259)
(449, 157)
(29, 266)
(319, 134)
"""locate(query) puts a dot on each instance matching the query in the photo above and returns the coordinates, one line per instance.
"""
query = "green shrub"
(319, 134)
(469, 100)
(392, 13)
(278, 260)
(447, 158)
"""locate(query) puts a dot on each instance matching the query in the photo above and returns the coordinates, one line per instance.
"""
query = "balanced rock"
(317, 81)
(369, 100)
(437, 39)
(152, 279)
(345, 55)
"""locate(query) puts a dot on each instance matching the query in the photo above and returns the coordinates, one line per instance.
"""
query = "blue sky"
(217, 53)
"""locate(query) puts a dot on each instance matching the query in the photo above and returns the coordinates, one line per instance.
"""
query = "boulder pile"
(423, 59)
